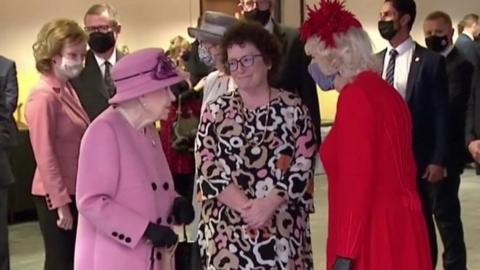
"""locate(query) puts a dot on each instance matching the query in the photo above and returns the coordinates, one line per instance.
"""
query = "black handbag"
(184, 128)
(187, 255)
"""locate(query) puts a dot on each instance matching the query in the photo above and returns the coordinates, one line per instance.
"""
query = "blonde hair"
(352, 55)
(52, 38)
(178, 45)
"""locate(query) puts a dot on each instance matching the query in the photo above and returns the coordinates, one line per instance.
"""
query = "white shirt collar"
(468, 35)
(112, 60)
(405, 46)
(447, 51)
(269, 26)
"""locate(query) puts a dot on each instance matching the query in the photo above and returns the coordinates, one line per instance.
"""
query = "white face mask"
(71, 68)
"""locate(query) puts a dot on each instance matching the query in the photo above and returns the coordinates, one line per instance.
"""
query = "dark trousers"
(4, 254)
(59, 244)
(442, 205)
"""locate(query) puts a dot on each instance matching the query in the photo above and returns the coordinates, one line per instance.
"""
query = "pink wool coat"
(123, 184)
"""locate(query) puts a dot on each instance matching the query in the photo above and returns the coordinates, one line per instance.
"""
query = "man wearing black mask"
(419, 75)
(438, 31)
(293, 68)
(94, 85)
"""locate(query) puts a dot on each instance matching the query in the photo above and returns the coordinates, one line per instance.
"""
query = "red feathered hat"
(330, 18)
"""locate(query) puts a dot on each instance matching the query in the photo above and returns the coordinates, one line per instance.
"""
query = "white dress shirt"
(101, 62)
(402, 65)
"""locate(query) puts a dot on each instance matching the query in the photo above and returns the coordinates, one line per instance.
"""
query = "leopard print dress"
(268, 149)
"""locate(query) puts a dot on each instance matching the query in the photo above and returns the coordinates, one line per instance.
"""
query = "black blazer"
(460, 74)
(8, 127)
(292, 71)
(469, 49)
(427, 98)
(90, 87)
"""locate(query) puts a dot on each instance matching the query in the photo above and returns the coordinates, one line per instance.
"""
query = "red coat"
(375, 214)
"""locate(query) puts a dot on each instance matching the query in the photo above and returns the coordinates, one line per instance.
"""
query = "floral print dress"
(268, 149)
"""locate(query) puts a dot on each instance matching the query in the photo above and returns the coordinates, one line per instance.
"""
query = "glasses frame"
(228, 65)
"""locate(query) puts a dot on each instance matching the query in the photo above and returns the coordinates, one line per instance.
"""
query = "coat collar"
(67, 96)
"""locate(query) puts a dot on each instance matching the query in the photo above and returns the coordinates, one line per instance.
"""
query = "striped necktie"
(110, 86)
(390, 75)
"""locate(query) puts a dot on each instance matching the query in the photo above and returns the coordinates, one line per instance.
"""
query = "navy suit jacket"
(469, 49)
(427, 98)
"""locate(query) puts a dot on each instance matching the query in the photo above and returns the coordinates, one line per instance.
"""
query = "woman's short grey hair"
(352, 55)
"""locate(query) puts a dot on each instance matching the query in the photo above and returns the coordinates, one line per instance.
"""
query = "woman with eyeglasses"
(255, 161)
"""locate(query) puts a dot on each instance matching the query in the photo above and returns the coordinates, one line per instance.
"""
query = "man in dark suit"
(94, 85)
(293, 68)
(472, 126)
(419, 75)
(438, 32)
(8, 138)
(469, 29)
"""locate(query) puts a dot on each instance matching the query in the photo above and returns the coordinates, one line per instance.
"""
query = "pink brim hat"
(142, 72)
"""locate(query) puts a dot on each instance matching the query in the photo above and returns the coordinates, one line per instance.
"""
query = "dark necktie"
(109, 85)
(390, 75)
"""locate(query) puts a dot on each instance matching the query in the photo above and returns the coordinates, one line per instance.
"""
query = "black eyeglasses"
(100, 28)
(245, 61)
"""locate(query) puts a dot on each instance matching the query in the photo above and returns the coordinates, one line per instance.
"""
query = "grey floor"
(27, 251)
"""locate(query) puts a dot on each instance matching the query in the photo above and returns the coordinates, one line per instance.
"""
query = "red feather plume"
(324, 21)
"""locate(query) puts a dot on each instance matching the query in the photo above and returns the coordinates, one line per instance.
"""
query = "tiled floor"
(27, 253)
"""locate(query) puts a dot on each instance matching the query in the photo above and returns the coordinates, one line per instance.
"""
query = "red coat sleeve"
(355, 129)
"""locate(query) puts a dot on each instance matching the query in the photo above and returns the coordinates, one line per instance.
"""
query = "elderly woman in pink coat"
(125, 195)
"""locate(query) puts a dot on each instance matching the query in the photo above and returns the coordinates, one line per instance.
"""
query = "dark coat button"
(114, 234)
(154, 186)
(159, 256)
(128, 240)
(48, 195)
(121, 236)
(159, 220)
(165, 186)
(169, 220)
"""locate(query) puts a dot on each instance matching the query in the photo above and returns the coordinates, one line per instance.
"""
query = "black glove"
(342, 264)
(183, 211)
(161, 236)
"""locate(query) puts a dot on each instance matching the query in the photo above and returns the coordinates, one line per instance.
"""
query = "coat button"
(128, 240)
(159, 220)
(159, 256)
(114, 234)
(165, 186)
(121, 236)
(154, 186)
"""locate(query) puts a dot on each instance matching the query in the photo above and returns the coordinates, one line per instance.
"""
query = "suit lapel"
(281, 36)
(382, 59)
(72, 104)
(417, 60)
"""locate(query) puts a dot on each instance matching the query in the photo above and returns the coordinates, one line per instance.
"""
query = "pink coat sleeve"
(97, 183)
(355, 127)
(41, 114)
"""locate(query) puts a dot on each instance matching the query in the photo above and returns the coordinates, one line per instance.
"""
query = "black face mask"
(101, 42)
(260, 16)
(387, 29)
(436, 43)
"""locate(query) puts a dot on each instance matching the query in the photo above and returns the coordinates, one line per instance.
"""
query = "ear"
(118, 29)
(405, 20)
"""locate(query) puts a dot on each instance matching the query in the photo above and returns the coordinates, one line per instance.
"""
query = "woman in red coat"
(375, 215)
